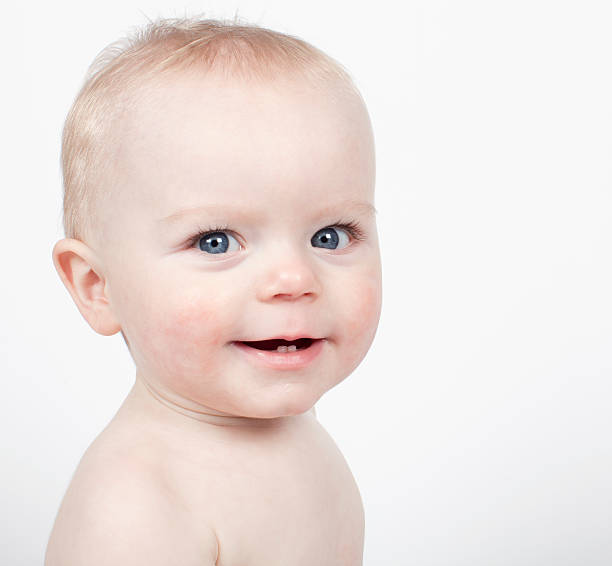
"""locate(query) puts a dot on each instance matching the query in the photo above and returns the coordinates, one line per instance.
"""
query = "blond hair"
(235, 49)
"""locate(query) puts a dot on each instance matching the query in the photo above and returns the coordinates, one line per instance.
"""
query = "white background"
(478, 427)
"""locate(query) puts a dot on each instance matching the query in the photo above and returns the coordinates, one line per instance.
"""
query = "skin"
(273, 162)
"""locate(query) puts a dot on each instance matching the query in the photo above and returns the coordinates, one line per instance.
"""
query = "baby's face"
(242, 213)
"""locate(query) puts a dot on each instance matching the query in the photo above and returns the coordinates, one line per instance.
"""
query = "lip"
(287, 337)
(281, 360)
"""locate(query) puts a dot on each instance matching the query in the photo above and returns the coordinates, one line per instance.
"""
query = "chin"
(295, 401)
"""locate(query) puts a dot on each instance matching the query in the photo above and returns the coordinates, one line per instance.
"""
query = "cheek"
(365, 311)
(178, 335)
(362, 305)
(191, 321)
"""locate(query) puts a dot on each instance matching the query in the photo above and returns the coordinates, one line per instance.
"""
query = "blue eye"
(331, 238)
(219, 240)
(217, 243)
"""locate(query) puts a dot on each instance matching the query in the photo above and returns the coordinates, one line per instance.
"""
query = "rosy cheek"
(196, 325)
(190, 323)
(362, 317)
(179, 337)
(368, 309)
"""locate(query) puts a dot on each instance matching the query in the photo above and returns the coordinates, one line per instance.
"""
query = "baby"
(219, 190)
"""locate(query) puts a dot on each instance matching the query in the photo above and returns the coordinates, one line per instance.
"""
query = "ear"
(80, 271)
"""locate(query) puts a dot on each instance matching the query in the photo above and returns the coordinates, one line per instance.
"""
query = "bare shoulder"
(119, 510)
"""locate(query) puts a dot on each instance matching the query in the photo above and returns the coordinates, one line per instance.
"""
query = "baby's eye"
(217, 243)
(332, 238)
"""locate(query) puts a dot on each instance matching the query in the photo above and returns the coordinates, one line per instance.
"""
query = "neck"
(147, 400)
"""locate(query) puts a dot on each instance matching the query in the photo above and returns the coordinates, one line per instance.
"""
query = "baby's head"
(219, 192)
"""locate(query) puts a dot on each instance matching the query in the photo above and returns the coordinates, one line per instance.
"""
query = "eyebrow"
(360, 207)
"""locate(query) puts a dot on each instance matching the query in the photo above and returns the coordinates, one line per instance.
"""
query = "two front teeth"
(291, 348)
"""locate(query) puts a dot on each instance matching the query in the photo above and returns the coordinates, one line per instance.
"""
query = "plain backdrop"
(478, 426)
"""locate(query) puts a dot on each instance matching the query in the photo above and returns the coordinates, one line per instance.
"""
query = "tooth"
(291, 348)
(281, 349)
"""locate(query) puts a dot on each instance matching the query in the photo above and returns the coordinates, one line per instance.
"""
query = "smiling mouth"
(281, 345)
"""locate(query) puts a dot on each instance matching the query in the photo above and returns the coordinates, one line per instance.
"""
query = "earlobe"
(80, 271)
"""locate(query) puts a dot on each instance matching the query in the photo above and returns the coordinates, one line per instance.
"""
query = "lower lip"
(280, 360)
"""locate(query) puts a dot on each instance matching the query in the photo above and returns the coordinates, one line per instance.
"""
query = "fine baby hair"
(117, 78)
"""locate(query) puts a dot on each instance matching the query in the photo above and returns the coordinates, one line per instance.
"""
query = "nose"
(290, 278)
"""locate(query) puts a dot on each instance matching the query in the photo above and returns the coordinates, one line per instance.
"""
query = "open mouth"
(280, 354)
(281, 345)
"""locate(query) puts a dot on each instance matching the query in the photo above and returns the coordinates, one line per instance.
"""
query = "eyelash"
(350, 226)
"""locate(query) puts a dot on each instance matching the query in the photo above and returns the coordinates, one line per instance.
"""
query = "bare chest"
(289, 502)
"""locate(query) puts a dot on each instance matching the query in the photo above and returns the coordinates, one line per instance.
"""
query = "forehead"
(189, 141)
